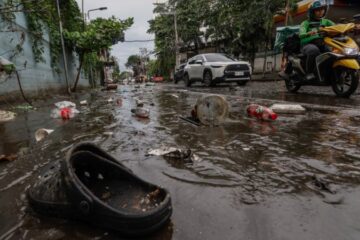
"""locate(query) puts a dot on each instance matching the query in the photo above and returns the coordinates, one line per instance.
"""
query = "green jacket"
(306, 27)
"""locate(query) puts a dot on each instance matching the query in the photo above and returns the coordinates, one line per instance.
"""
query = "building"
(36, 77)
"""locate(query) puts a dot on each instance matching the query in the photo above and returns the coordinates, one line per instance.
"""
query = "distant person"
(311, 41)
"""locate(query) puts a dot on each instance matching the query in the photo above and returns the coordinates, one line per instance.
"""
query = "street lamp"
(95, 9)
(177, 54)
(88, 14)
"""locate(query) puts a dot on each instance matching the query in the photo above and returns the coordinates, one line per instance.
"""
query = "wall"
(35, 77)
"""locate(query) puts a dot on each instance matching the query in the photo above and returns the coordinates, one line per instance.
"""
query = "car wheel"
(187, 80)
(241, 83)
(207, 79)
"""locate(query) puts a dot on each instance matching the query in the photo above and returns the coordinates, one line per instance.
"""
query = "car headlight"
(351, 51)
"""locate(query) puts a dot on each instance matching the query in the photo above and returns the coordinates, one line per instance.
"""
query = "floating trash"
(42, 133)
(288, 108)
(261, 112)
(141, 112)
(6, 116)
(211, 110)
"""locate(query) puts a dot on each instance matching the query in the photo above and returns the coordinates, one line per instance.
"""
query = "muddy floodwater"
(295, 178)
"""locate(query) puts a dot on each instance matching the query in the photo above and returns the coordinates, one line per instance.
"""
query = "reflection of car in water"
(179, 73)
(213, 68)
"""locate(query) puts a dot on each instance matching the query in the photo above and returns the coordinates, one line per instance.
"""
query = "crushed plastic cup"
(42, 133)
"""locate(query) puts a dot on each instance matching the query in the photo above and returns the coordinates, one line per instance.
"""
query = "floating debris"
(288, 108)
(42, 133)
(175, 154)
(6, 116)
(65, 110)
(141, 112)
(211, 110)
(261, 112)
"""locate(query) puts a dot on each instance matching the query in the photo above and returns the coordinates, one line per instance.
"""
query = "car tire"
(207, 79)
(187, 80)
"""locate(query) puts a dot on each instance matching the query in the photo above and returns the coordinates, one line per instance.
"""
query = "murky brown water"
(296, 178)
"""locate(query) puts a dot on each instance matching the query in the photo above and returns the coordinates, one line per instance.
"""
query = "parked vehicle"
(338, 68)
(179, 73)
(213, 68)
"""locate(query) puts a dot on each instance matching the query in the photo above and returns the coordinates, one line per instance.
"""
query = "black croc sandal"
(91, 147)
(47, 196)
(107, 195)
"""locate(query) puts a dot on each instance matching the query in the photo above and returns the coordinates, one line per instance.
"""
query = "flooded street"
(295, 178)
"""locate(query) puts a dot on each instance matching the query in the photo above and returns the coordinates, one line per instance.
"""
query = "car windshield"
(217, 58)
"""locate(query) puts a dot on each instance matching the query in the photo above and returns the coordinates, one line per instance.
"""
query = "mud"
(295, 178)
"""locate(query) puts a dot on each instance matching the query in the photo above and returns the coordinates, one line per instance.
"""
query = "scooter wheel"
(345, 81)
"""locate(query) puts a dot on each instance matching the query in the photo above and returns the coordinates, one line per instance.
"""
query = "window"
(218, 58)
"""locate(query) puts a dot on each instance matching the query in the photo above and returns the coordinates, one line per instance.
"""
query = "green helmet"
(317, 4)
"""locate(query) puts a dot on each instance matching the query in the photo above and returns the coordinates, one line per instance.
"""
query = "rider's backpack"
(292, 44)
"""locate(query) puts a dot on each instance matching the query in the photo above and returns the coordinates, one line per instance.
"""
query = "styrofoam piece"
(288, 108)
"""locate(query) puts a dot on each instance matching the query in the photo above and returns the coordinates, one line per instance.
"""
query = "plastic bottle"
(261, 112)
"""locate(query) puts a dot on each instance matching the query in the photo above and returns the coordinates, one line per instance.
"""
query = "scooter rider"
(311, 41)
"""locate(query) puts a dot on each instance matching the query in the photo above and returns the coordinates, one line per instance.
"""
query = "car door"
(189, 68)
(199, 68)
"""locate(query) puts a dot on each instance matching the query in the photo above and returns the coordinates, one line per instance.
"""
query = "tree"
(236, 23)
(134, 62)
(99, 34)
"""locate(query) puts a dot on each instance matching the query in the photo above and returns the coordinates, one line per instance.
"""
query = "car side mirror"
(199, 62)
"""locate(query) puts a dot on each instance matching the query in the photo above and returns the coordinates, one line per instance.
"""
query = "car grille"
(232, 69)
(237, 67)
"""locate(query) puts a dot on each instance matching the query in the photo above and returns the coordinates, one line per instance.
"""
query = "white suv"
(213, 68)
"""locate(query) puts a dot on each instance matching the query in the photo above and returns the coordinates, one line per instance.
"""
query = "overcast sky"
(140, 10)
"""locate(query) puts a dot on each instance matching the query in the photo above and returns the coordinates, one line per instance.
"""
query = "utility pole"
(63, 47)
(177, 50)
(177, 54)
(83, 15)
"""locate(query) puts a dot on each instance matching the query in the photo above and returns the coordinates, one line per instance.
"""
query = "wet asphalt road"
(296, 178)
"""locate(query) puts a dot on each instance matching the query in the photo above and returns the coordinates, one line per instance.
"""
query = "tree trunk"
(265, 58)
(79, 71)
